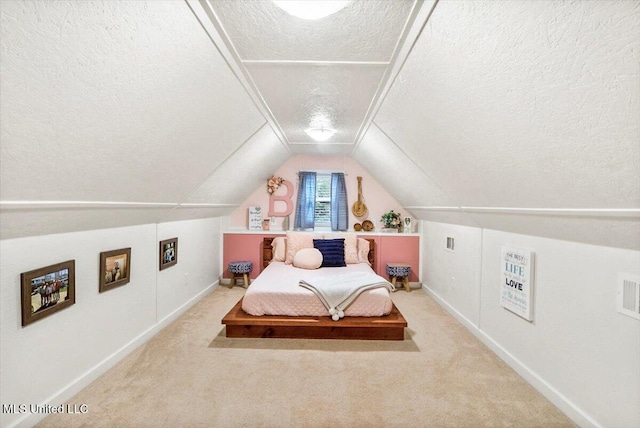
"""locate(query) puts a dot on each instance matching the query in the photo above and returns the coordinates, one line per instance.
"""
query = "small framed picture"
(115, 268)
(168, 253)
(47, 290)
(255, 217)
(407, 225)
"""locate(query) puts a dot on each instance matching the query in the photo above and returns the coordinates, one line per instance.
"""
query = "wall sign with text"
(255, 217)
(516, 291)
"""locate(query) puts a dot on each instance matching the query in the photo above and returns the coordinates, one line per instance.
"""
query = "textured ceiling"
(115, 113)
(545, 112)
(365, 30)
(316, 73)
(96, 112)
(517, 116)
(300, 95)
(532, 127)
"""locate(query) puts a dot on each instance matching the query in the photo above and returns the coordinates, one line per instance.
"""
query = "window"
(323, 200)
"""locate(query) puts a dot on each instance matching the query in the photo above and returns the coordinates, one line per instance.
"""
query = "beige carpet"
(190, 375)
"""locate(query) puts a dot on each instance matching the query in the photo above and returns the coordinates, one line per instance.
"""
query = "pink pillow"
(363, 251)
(308, 258)
(296, 241)
(279, 246)
(350, 245)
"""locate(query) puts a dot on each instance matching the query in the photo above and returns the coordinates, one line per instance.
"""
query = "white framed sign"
(516, 291)
(255, 217)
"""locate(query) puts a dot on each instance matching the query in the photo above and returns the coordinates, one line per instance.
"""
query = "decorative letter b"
(273, 198)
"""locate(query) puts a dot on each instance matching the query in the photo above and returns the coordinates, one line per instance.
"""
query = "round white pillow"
(308, 258)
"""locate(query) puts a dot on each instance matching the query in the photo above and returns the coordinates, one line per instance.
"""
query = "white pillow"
(308, 258)
(296, 241)
(363, 250)
(279, 246)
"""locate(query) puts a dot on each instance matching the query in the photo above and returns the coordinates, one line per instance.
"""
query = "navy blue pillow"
(332, 251)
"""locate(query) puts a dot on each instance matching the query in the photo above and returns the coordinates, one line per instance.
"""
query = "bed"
(275, 306)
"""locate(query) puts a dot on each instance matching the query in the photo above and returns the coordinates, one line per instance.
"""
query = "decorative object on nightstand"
(407, 225)
(401, 271)
(240, 268)
(255, 217)
(357, 227)
(367, 226)
(391, 222)
(266, 224)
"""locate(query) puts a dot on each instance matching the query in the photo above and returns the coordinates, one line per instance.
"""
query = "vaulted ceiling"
(326, 73)
(517, 116)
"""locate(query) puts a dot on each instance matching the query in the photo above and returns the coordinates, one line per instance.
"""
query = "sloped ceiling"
(525, 115)
(324, 73)
(517, 116)
(115, 113)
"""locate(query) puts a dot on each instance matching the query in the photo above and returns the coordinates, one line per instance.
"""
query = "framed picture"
(255, 217)
(407, 225)
(168, 253)
(516, 291)
(115, 268)
(47, 290)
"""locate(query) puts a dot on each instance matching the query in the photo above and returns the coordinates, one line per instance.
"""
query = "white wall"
(578, 351)
(84, 340)
(454, 276)
(198, 262)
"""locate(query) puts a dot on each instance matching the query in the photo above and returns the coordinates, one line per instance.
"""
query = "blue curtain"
(339, 204)
(306, 204)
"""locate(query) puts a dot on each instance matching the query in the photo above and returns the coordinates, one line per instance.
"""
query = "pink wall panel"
(237, 246)
(389, 249)
(399, 249)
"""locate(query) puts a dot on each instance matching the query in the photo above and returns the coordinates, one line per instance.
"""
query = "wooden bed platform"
(240, 324)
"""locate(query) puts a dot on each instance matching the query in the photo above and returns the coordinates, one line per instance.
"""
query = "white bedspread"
(276, 291)
(337, 292)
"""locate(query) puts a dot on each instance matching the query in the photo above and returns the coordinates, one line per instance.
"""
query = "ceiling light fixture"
(320, 134)
(310, 9)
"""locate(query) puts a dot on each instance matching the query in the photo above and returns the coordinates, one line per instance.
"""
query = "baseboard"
(96, 371)
(572, 411)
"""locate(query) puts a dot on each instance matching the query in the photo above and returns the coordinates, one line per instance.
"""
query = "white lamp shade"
(310, 9)
(320, 134)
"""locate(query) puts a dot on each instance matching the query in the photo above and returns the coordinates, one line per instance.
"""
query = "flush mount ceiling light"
(320, 134)
(310, 9)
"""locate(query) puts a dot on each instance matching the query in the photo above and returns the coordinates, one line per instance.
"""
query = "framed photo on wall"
(47, 290)
(516, 290)
(115, 268)
(168, 253)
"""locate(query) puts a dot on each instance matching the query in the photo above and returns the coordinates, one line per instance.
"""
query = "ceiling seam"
(389, 79)
(246, 79)
(8, 205)
(312, 62)
(438, 185)
(577, 212)
(213, 171)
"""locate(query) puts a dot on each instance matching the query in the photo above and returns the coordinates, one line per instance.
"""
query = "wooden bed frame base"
(240, 324)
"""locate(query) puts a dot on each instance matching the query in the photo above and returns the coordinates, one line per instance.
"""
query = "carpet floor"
(191, 375)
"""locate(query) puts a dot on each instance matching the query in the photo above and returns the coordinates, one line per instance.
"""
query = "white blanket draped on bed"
(277, 291)
(336, 292)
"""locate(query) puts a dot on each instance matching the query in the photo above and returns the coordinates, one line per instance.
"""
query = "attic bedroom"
(150, 147)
